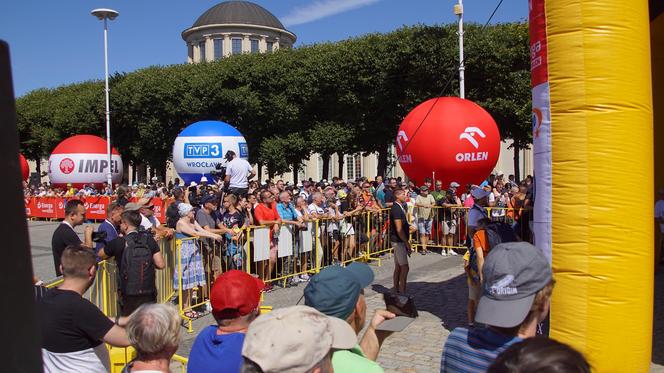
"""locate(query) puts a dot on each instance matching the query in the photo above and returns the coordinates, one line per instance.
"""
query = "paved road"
(436, 282)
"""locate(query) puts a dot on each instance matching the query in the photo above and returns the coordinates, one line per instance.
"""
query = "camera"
(99, 236)
(219, 171)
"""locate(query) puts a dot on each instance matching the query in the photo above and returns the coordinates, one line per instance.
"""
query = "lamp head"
(102, 13)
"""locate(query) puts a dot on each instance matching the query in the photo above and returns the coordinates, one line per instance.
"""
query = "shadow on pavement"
(658, 320)
(446, 300)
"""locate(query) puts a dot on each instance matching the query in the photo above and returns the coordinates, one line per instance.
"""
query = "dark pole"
(22, 353)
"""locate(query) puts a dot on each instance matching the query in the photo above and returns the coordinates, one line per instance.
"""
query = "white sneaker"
(304, 277)
(443, 253)
(453, 253)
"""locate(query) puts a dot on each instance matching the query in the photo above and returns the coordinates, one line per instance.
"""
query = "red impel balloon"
(81, 160)
(25, 169)
(448, 139)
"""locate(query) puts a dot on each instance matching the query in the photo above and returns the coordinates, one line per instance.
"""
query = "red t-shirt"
(262, 213)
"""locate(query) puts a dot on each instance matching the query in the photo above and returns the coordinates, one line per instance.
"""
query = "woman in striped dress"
(191, 258)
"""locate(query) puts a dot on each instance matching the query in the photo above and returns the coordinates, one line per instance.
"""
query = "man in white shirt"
(659, 218)
(238, 173)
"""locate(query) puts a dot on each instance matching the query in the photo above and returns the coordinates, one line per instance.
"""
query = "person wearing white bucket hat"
(190, 273)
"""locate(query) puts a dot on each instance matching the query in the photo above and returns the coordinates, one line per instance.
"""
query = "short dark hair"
(112, 207)
(398, 191)
(76, 260)
(427, 179)
(72, 206)
(132, 218)
(540, 354)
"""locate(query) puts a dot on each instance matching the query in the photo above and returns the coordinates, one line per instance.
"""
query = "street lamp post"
(106, 15)
(458, 10)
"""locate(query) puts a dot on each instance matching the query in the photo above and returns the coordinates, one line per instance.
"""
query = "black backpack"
(497, 232)
(137, 274)
(172, 214)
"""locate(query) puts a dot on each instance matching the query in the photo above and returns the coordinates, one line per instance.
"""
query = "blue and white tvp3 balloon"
(201, 146)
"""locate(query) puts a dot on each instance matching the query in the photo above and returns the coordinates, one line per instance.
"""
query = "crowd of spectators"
(324, 335)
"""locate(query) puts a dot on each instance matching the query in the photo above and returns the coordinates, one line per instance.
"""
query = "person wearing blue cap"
(477, 212)
(339, 292)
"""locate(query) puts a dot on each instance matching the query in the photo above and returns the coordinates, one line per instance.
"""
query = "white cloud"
(321, 9)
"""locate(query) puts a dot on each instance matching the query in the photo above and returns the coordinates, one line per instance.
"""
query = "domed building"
(235, 27)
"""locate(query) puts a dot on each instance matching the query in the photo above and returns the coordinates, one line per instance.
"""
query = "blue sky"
(58, 42)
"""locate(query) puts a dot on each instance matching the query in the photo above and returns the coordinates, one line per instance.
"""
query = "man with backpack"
(137, 255)
(488, 234)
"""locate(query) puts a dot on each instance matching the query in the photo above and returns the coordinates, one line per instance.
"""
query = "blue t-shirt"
(213, 353)
(286, 212)
(111, 234)
(380, 196)
(474, 350)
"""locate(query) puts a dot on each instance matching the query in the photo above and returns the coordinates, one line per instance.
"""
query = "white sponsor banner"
(261, 244)
(285, 245)
(79, 168)
(306, 238)
(543, 174)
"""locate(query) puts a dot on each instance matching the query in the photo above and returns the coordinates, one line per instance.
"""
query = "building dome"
(235, 27)
(238, 12)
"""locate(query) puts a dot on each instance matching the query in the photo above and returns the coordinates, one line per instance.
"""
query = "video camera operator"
(238, 173)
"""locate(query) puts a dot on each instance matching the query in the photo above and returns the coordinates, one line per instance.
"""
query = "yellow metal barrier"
(293, 252)
(449, 228)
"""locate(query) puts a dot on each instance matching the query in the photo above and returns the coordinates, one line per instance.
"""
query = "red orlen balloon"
(449, 139)
(25, 169)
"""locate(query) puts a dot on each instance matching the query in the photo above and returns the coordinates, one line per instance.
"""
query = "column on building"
(227, 44)
(190, 53)
(275, 46)
(262, 44)
(197, 52)
(209, 48)
(246, 43)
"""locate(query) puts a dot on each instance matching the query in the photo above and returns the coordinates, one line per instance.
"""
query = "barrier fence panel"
(164, 277)
(378, 232)
(449, 226)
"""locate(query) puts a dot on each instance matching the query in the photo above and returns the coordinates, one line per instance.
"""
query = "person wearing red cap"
(235, 298)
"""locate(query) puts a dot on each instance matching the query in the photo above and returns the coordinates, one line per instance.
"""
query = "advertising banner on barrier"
(95, 207)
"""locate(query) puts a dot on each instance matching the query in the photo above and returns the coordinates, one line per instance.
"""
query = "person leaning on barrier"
(540, 355)
(64, 235)
(136, 254)
(266, 214)
(516, 296)
(73, 329)
(154, 331)
(339, 292)
(295, 339)
(235, 299)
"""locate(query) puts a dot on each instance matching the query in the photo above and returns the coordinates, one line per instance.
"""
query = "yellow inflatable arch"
(594, 162)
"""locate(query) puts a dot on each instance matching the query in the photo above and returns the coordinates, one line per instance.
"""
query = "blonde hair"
(154, 328)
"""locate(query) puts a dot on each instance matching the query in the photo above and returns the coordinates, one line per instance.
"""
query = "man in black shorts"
(399, 239)
(64, 234)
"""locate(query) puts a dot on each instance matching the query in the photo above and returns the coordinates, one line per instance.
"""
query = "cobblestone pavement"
(436, 282)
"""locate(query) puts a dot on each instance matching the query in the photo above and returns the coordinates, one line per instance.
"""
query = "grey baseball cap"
(479, 193)
(513, 273)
